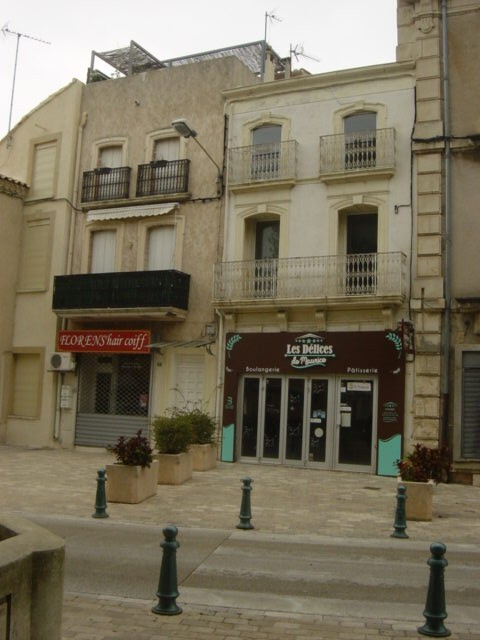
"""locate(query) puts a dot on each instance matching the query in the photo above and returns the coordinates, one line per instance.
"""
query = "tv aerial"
(299, 52)
(5, 30)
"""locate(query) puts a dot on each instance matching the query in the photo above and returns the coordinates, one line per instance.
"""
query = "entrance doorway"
(326, 421)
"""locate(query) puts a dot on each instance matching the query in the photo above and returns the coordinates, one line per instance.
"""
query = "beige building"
(442, 37)
(39, 152)
(313, 286)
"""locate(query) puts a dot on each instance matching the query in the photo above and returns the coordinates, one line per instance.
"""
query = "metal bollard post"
(245, 510)
(167, 585)
(100, 498)
(400, 523)
(435, 610)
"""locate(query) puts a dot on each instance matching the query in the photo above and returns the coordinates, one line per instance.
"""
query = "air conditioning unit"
(61, 362)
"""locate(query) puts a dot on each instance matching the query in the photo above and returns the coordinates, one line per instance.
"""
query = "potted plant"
(204, 441)
(172, 434)
(133, 478)
(419, 471)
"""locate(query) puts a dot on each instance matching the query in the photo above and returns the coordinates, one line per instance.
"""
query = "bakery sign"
(104, 340)
(309, 350)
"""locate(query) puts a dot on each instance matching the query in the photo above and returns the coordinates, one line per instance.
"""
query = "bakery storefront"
(114, 383)
(331, 400)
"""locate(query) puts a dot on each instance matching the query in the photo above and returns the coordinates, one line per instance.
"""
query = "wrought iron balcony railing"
(122, 290)
(162, 177)
(105, 183)
(262, 163)
(312, 278)
(362, 151)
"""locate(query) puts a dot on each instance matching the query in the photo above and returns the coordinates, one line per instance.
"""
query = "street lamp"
(182, 127)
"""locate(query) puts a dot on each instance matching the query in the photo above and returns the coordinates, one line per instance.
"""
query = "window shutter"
(35, 256)
(103, 251)
(161, 244)
(26, 385)
(43, 170)
(471, 405)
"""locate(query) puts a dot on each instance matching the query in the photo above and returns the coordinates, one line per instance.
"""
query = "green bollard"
(100, 498)
(400, 523)
(245, 511)
(435, 611)
(167, 585)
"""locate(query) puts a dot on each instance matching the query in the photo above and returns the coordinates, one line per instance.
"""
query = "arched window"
(360, 130)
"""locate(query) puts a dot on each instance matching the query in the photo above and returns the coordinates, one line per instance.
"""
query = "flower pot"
(418, 505)
(130, 483)
(204, 456)
(174, 468)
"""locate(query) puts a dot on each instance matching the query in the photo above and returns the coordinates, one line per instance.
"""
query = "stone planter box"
(418, 505)
(131, 484)
(174, 468)
(204, 456)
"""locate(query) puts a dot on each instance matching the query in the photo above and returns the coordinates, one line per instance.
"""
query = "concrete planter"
(131, 484)
(204, 456)
(418, 505)
(174, 468)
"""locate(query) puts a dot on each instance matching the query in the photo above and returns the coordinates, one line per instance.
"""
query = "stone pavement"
(285, 500)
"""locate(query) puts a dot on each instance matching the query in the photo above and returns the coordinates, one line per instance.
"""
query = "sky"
(333, 34)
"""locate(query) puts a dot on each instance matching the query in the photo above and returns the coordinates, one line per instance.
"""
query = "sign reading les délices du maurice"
(104, 340)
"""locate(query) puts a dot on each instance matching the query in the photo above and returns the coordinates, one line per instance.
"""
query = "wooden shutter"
(26, 385)
(471, 405)
(161, 245)
(35, 255)
(43, 174)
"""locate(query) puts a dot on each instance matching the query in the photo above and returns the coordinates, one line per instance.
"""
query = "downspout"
(447, 249)
(68, 265)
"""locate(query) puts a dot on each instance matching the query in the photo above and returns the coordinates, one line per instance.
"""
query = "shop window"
(35, 260)
(470, 437)
(360, 140)
(26, 381)
(160, 248)
(43, 172)
(102, 251)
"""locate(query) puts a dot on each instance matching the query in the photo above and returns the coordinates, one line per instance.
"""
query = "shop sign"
(309, 350)
(104, 340)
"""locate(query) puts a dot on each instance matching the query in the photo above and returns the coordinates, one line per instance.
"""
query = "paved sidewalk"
(284, 500)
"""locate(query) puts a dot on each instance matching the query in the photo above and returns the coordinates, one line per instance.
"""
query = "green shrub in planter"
(172, 433)
(202, 425)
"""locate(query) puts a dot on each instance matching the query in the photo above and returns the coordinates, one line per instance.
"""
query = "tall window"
(25, 398)
(102, 256)
(361, 252)
(267, 234)
(109, 159)
(266, 141)
(360, 140)
(160, 248)
(35, 255)
(166, 149)
(43, 172)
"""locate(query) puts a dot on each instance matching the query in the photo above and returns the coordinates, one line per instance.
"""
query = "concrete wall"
(31, 580)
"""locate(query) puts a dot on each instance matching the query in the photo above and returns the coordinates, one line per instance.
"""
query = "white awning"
(131, 212)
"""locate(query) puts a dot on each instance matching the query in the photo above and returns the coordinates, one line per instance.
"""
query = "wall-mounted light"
(182, 127)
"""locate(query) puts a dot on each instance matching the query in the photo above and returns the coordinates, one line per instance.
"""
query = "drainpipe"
(68, 266)
(447, 267)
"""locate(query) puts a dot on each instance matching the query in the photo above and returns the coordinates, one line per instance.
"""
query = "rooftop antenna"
(298, 51)
(269, 16)
(6, 30)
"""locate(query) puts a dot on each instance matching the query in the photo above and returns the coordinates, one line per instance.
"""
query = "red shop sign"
(104, 340)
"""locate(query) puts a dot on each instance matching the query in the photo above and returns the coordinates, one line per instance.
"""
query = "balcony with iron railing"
(333, 280)
(106, 183)
(358, 154)
(262, 163)
(162, 177)
(153, 293)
